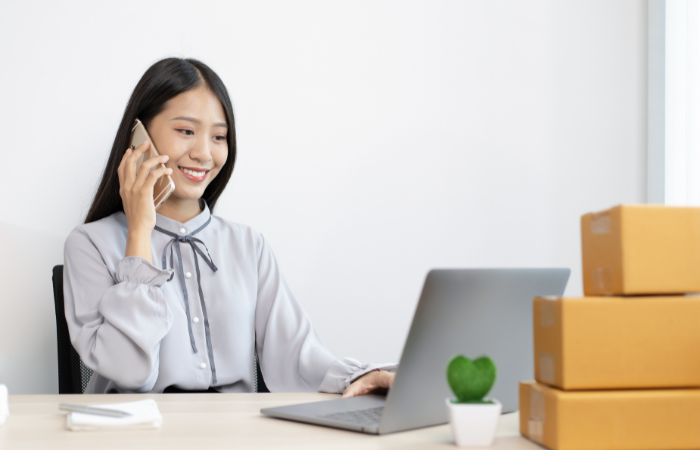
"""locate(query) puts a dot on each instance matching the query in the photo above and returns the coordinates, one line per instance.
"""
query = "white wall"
(376, 140)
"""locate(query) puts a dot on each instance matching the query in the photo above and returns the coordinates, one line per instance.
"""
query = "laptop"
(472, 312)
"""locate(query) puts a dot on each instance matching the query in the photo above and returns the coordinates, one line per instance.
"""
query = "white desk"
(212, 421)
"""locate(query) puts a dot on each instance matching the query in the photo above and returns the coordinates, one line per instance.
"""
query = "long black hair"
(162, 81)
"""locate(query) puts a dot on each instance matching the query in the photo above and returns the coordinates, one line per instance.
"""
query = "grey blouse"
(197, 321)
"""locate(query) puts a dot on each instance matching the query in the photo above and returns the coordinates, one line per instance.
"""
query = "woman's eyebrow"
(197, 121)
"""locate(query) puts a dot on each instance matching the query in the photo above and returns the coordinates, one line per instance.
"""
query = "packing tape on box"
(535, 425)
(602, 279)
(600, 223)
(546, 367)
(4, 408)
(548, 310)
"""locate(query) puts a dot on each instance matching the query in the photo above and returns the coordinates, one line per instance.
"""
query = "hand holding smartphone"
(164, 186)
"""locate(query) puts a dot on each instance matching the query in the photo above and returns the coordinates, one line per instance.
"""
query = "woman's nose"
(201, 151)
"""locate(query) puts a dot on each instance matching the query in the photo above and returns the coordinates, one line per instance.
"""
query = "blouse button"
(183, 231)
(195, 319)
(188, 275)
(202, 366)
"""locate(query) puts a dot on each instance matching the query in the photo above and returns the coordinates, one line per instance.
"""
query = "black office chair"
(73, 374)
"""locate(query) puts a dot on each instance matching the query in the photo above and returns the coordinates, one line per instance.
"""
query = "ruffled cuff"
(344, 371)
(135, 269)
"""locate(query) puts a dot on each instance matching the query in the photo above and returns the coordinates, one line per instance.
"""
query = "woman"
(181, 299)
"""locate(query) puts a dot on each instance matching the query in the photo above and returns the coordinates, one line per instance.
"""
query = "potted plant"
(473, 416)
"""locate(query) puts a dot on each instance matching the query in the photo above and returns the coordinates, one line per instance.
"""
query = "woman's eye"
(220, 138)
(186, 132)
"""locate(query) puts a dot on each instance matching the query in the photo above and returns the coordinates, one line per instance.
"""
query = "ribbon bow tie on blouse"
(175, 249)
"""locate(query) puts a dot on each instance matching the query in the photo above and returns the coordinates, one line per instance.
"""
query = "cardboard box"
(641, 249)
(611, 420)
(617, 342)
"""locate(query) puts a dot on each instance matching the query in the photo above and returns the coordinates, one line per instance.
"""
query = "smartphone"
(164, 186)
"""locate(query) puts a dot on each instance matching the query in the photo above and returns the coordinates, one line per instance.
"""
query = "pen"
(91, 410)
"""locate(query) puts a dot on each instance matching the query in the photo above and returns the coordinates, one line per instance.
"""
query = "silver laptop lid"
(472, 312)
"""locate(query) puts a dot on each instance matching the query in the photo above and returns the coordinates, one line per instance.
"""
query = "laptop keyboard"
(368, 416)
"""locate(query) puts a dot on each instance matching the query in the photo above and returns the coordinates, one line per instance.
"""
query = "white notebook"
(4, 409)
(144, 415)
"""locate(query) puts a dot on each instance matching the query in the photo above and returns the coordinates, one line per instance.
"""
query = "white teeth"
(193, 173)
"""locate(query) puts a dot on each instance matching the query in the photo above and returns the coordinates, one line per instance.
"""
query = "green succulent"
(471, 380)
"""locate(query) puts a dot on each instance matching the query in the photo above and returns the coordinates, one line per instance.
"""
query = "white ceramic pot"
(4, 410)
(474, 424)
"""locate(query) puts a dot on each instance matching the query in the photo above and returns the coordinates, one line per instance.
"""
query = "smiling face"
(192, 131)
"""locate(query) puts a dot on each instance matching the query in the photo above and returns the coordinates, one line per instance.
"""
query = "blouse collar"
(186, 228)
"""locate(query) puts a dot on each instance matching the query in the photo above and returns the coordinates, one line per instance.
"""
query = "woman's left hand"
(370, 382)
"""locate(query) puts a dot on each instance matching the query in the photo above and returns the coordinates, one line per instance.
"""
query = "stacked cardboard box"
(620, 367)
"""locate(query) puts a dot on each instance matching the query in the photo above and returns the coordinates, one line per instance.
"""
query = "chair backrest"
(73, 374)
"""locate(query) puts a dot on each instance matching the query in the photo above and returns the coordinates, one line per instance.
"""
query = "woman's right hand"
(136, 191)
